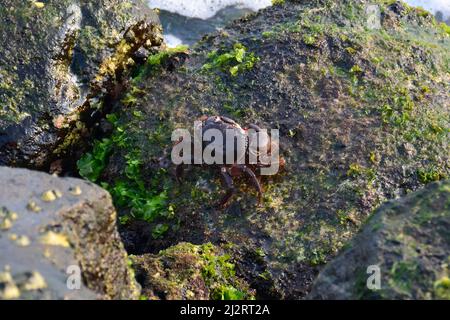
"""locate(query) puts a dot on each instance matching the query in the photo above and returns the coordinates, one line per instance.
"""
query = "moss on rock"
(192, 272)
(407, 240)
(59, 62)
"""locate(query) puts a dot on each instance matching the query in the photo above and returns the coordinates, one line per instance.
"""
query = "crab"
(230, 172)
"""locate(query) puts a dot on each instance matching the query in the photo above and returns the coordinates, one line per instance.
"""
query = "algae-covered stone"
(73, 232)
(363, 114)
(59, 59)
(191, 272)
(408, 242)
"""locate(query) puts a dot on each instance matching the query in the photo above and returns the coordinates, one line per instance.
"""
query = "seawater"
(186, 21)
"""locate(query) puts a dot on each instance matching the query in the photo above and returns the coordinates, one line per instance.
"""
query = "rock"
(190, 272)
(363, 118)
(42, 250)
(408, 240)
(59, 61)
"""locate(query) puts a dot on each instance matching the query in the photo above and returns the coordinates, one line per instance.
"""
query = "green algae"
(188, 271)
(236, 61)
(131, 192)
(155, 62)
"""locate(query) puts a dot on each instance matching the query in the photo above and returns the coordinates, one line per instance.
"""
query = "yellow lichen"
(10, 291)
(51, 195)
(39, 4)
(32, 206)
(76, 191)
(6, 224)
(55, 239)
(35, 282)
(23, 241)
(5, 277)
(6, 219)
(47, 254)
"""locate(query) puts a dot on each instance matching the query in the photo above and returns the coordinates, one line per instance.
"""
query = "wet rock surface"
(59, 64)
(408, 240)
(363, 118)
(190, 272)
(50, 226)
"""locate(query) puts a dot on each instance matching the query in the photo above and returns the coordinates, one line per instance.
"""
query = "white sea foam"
(433, 6)
(172, 41)
(205, 9)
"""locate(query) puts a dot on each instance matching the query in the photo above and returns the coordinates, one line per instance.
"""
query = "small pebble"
(32, 206)
(76, 191)
(48, 196)
(35, 282)
(6, 219)
(9, 291)
(5, 224)
(55, 239)
(23, 241)
(47, 253)
(5, 276)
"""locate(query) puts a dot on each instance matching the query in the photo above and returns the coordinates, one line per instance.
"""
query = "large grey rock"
(59, 60)
(408, 240)
(48, 224)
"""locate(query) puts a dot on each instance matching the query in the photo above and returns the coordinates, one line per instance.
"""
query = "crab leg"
(254, 127)
(228, 120)
(253, 178)
(229, 184)
(179, 172)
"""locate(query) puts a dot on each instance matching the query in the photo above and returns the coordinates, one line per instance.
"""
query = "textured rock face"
(59, 60)
(47, 225)
(408, 240)
(363, 117)
(190, 272)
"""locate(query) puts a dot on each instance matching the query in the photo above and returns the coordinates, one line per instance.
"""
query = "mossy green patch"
(442, 288)
(155, 61)
(91, 165)
(188, 271)
(277, 2)
(142, 200)
(430, 174)
(404, 274)
(235, 61)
